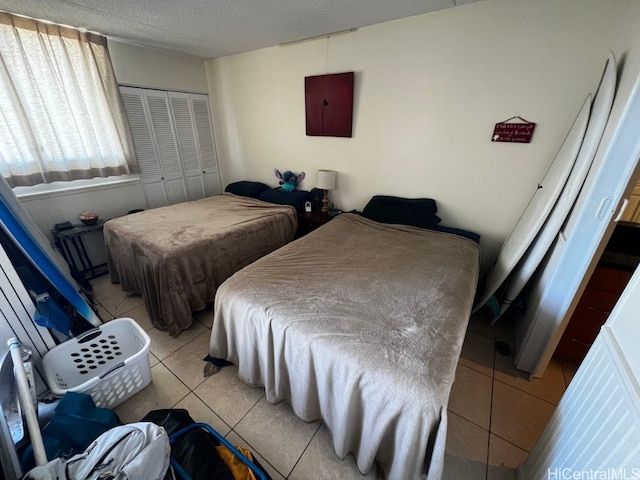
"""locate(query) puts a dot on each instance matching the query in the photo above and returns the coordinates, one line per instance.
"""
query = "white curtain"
(61, 116)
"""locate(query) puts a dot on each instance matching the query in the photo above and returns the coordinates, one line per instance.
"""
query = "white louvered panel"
(174, 144)
(176, 190)
(211, 184)
(139, 125)
(195, 189)
(205, 132)
(596, 426)
(163, 133)
(155, 193)
(17, 311)
(186, 134)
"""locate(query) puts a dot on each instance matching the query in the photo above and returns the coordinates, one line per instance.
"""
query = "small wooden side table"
(308, 222)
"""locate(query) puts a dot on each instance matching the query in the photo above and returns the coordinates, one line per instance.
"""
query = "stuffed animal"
(289, 180)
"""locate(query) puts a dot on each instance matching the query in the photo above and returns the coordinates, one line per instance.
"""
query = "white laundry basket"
(110, 363)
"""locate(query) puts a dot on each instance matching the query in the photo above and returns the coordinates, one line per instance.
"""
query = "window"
(61, 117)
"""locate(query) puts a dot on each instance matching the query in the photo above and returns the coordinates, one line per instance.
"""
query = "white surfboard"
(538, 208)
(600, 110)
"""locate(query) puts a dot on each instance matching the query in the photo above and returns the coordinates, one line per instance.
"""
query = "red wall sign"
(520, 132)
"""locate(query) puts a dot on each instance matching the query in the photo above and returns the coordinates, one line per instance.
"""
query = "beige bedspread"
(177, 256)
(361, 325)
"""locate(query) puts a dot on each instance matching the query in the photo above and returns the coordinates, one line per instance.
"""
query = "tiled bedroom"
(198, 145)
(495, 413)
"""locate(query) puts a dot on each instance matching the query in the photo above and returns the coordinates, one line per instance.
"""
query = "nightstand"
(308, 222)
(72, 247)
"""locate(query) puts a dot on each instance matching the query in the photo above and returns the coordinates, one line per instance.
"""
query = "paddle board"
(600, 110)
(538, 208)
(28, 237)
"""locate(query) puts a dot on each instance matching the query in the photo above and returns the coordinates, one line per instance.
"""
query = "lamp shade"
(326, 179)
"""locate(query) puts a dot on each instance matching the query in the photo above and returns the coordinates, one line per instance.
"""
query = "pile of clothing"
(89, 443)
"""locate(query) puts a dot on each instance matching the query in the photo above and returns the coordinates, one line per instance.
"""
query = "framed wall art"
(329, 104)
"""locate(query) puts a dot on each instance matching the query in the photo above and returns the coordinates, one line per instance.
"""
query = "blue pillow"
(456, 231)
(296, 199)
(245, 188)
(416, 212)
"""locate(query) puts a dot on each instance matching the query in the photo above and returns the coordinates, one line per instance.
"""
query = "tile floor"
(495, 413)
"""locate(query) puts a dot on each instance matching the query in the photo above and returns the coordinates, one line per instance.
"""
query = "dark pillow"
(456, 231)
(296, 199)
(245, 188)
(417, 212)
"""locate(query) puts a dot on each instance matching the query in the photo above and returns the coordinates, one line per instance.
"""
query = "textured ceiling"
(214, 28)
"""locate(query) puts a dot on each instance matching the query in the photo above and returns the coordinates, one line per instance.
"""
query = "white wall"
(428, 92)
(150, 67)
(108, 200)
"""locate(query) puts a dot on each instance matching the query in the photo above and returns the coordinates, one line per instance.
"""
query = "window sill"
(56, 189)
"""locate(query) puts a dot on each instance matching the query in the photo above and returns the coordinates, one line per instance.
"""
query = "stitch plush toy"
(289, 180)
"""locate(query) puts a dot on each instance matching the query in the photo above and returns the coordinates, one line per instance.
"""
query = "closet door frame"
(145, 146)
(166, 139)
(189, 140)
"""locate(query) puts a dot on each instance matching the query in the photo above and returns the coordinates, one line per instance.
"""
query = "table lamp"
(326, 181)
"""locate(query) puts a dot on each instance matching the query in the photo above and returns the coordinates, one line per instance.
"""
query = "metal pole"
(26, 402)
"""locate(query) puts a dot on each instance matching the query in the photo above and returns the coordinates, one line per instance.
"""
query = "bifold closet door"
(173, 139)
(155, 145)
(195, 142)
(163, 129)
(210, 172)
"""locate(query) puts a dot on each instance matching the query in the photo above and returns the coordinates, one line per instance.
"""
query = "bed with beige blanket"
(359, 324)
(177, 256)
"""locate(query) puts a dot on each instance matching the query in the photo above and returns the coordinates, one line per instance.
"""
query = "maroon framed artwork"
(328, 103)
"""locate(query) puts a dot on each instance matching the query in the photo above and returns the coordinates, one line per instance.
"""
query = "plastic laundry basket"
(110, 363)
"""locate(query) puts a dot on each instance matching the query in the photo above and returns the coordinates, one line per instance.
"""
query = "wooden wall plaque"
(518, 132)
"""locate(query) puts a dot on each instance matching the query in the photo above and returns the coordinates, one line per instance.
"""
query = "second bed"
(177, 256)
(359, 324)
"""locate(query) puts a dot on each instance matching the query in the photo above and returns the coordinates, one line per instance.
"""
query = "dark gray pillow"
(296, 198)
(246, 188)
(457, 231)
(417, 212)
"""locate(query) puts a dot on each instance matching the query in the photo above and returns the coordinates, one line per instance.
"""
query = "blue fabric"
(296, 199)
(456, 231)
(75, 424)
(494, 306)
(246, 188)
(50, 315)
(417, 212)
(218, 362)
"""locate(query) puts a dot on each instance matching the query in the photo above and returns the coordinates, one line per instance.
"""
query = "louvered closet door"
(210, 175)
(144, 145)
(174, 144)
(187, 144)
(167, 145)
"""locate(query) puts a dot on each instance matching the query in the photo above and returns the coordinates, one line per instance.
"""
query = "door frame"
(581, 243)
